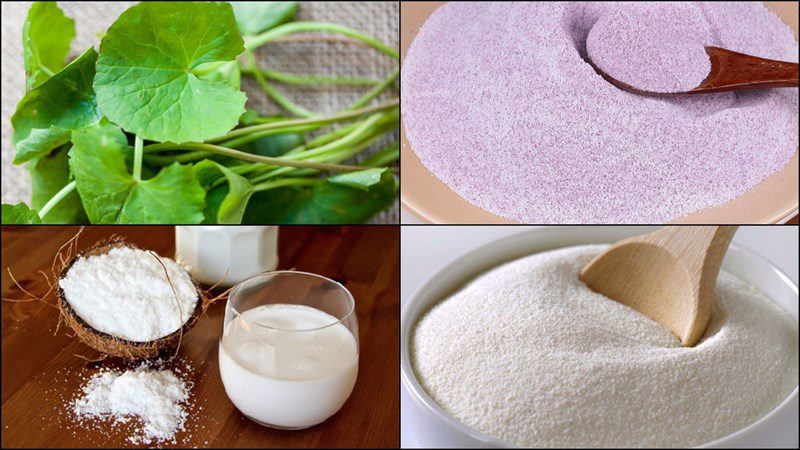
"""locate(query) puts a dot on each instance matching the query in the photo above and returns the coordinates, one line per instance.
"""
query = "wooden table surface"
(41, 374)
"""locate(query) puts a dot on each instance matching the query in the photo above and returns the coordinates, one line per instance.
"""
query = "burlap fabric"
(378, 19)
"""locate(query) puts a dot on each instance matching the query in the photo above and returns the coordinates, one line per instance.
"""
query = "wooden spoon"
(669, 275)
(730, 71)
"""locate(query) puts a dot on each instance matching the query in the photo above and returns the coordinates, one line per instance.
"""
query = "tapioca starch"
(501, 104)
(653, 47)
(527, 353)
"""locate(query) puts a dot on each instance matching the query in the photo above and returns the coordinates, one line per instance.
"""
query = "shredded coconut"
(156, 398)
(529, 354)
(125, 293)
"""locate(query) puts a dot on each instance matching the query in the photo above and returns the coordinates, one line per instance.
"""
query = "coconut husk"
(112, 345)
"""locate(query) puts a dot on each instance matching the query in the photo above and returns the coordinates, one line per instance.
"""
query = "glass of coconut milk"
(288, 356)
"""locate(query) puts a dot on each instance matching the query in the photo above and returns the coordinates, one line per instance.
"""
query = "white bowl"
(436, 428)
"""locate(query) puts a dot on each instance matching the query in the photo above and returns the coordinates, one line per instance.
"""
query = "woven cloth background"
(377, 19)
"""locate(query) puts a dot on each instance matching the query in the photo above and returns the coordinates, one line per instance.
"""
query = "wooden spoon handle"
(732, 71)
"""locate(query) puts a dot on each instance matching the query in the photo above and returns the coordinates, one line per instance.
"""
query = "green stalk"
(363, 131)
(345, 148)
(182, 158)
(61, 194)
(238, 142)
(328, 137)
(309, 80)
(344, 153)
(46, 70)
(321, 121)
(376, 91)
(284, 126)
(320, 140)
(285, 182)
(265, 159)
(274, 94)
(137, 158)
(297, 27)
(384, 157)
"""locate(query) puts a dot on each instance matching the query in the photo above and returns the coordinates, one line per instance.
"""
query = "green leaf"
(255, 17)
(111, 195)
(49, 174)
(224, 204)
(343, 199)
(40, 141)
(364, 179)
(46, 115)
(19, 214)
(145, 78)
(46, 37)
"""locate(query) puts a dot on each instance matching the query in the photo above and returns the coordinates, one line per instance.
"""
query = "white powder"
(529, 354)
(125, 293)
(153, 397)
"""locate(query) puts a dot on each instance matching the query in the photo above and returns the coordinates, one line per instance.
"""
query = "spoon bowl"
(730, 71)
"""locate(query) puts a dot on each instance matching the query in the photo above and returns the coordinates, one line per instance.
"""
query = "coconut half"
(115, 345)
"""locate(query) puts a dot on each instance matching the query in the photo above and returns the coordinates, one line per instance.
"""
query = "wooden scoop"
(731, 71)
(669, 275)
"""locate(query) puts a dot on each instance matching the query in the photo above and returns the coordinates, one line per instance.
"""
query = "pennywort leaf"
(46, 37)
(46, 116)
(40, 141)
(111, 195)
(348, 198)
(254, 17)
(19, 214)
(364, 179)
(224, 204)
(145, 81)
(49, 174)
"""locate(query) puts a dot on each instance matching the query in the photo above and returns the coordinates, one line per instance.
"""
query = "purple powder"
(500, 104)
(655, 48)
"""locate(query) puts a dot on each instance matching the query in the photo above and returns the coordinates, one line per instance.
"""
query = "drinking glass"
(289, 348)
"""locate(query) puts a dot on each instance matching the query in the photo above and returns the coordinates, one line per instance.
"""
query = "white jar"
(226, 254)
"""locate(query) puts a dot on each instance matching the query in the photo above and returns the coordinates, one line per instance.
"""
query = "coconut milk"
(281, 376)
(226, 255)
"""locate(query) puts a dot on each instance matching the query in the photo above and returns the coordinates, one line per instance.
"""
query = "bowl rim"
(774, 200)
(412, 311)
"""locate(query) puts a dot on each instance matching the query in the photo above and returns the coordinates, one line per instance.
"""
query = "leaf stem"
(384, 157)
(56, 198)
(274, 94)
(309, 80)
(375, 91)
(46, 70)
(265, 159)
(286, 124)
(137, 158)
(320, 140)
(297, 27)
(285, 182)
(339, 150)
(182, 158)
(238, 142)
(365, 130)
